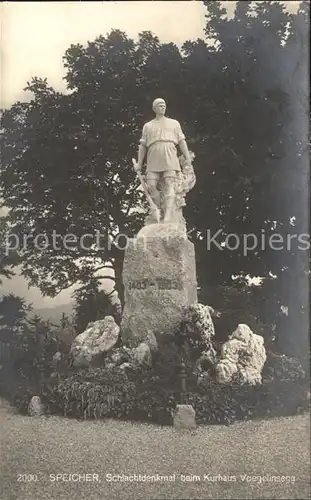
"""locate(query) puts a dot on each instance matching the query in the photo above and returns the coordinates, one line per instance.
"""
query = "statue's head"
(159, 106)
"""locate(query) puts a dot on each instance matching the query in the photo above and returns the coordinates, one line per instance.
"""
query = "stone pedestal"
(159, 278)
(184, 417)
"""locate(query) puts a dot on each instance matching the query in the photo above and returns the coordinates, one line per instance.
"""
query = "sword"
(153, 207)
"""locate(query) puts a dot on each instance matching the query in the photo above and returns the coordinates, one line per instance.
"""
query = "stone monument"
(159, 272)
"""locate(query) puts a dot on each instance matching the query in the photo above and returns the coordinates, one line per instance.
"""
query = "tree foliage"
(13, 310)
(9, 258)
(91, 304)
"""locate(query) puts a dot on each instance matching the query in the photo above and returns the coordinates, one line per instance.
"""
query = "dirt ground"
(112, 460)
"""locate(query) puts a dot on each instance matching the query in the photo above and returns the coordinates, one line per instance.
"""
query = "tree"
(66, 332)
(13, 310)
(257, 154)
(8, 256)
(240, 152)
(67, 159)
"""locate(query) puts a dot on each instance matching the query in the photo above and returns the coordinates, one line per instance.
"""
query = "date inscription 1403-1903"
(155, 284)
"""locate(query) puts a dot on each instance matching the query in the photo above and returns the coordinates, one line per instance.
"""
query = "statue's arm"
(142, 149)
(185, 151)
(141, 156)
(183, 145)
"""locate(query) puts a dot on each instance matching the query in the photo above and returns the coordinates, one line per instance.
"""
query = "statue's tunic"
(161, 137)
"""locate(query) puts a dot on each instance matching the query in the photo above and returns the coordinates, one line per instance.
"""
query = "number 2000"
(27, 477)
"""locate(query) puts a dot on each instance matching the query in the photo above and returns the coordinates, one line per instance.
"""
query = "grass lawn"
(53, 445)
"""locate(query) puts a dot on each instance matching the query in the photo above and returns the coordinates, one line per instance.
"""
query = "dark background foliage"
(242, 101)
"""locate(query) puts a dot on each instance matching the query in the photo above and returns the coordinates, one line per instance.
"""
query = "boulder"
(152, 341)
(184, 417)
(116, 357)
(121, 354)
(35, 407)
(142, 354)
(129, 357)
(242, 358)
(99, 338)
(124, 366)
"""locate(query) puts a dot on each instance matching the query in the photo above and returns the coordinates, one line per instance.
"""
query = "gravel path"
(50, 446)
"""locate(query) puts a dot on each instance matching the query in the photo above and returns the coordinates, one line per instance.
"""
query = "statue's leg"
(169, 196)
(152, 179)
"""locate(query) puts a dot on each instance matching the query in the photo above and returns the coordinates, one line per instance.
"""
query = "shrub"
(151, 394)
(15, 389)
(137, 394)
(32, 349)
(226, 404)
(196, 329)
(20, 398)
(154, 402)
(27, 371)
(97, 393)
(236, 303)
(280, 367)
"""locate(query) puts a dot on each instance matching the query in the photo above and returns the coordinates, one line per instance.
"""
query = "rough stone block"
(35, 407)
(184, 417)
(142, 354)
(242, 356)
(159, 277)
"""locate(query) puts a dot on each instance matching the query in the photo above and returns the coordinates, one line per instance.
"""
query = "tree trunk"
(118, 265)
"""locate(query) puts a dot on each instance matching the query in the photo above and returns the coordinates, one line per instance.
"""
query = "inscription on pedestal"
(155, 284)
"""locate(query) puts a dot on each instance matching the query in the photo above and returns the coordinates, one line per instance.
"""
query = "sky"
(35, 36)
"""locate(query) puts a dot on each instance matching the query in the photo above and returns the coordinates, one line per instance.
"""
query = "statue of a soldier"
(160, 139)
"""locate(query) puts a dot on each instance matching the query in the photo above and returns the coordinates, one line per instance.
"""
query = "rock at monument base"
(124, 366)
(198, 317)
(242, 358)
(35, 407)
(159, 278)
(130, 357)
(97, 339)
(184, 417)
(206, 362)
